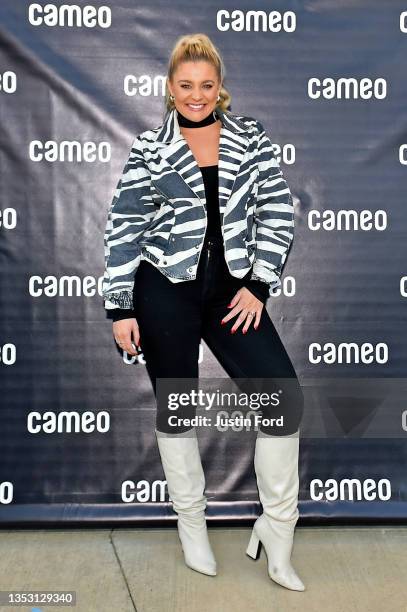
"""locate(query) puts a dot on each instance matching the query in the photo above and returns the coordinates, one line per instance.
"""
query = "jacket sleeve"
(274, 217)
(130, 213)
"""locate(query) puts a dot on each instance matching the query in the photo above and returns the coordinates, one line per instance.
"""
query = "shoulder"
(147, 136)
(247, 121)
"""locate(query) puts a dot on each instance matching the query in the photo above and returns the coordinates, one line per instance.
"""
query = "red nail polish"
(230, 305)
(223, 322)
(232, 331)
(244, 331)
(256, 328)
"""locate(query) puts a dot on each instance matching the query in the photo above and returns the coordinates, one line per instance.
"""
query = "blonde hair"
(193, 48)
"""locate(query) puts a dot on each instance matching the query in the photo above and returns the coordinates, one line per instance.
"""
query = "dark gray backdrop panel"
(58, 352)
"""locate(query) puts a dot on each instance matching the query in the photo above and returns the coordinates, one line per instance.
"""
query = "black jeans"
(174, 317)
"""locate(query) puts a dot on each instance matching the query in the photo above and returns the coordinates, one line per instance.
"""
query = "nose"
(196, 96)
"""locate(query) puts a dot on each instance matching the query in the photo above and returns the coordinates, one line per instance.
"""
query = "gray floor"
(122, 570)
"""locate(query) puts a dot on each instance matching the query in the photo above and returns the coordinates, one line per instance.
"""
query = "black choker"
(188, 123)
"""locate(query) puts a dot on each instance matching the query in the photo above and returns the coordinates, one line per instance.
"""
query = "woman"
(201, 222)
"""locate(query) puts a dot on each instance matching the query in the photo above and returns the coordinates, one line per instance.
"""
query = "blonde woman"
(196, 239)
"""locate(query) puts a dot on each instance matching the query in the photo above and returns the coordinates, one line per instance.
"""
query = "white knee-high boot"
(276, 466)
(183, 471)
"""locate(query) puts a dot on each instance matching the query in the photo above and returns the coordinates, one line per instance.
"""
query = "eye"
(207, 86)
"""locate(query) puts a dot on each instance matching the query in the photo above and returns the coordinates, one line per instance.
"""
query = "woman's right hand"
(125, 332)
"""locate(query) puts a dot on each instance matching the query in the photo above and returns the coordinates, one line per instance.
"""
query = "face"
(195, 87)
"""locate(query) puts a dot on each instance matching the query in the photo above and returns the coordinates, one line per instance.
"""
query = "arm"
(130, 213)
(274, 217)
(259, 289)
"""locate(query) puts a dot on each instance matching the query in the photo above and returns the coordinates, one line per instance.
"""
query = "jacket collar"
(233, 144)
(170, 131)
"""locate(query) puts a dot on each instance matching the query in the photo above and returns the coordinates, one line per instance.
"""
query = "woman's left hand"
(244, 302)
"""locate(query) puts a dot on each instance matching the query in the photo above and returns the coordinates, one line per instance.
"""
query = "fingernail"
(230, 305)
(232, 331)
(223, 322)
(244, 331)
(256, 327)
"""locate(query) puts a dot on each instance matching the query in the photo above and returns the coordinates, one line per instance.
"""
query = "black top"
(210, 179)
(214, 231)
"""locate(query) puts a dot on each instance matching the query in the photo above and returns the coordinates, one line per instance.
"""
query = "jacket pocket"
(158, 233)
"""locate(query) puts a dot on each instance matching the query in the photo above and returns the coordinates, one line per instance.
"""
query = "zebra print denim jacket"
(158, 210)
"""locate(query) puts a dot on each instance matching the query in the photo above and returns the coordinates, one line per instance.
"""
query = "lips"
(196, 107)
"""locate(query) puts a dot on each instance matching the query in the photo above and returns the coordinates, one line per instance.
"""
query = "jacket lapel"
(233, 144)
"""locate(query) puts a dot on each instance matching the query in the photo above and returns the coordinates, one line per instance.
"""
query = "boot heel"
(254, 547)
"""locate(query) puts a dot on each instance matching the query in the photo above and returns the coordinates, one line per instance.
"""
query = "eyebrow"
(187, 81)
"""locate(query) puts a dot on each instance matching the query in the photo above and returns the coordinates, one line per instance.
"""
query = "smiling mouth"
(196, 107)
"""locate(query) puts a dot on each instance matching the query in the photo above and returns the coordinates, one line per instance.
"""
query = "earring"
(172, 98)
(218, 99)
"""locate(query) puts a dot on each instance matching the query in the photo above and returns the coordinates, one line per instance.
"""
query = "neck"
(188, 123)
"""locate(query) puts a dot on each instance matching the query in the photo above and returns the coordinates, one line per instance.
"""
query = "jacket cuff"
(117, 314)
(259, 288)
(270, 278)
(120, 299)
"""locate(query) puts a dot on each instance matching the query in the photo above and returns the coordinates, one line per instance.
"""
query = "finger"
(247, 324)
(235, 299)
(130, 350)
(136, 334)
(231, 314)
(258, 317)
(125, 345)
(241, 318)
(237, 307)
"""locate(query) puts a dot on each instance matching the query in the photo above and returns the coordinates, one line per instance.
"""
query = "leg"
(258, 355)
(169, 320)
(261, 354)
(276, 466)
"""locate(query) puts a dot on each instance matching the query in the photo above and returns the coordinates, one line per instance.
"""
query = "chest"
(204, 144)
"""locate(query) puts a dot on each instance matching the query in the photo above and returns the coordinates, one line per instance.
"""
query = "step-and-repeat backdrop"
(78, 81)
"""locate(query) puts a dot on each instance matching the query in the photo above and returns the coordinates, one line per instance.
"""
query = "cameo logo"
(349, 220)
(69, 15)
(8, 354)
(347, 88)
(403, 155)
(68, 422)
(350, 489)
(8, 81)
(285, 155)
(131, 359)
(143, 491)
(256, 21)
(71, 151)
(8, 218)
(51, 286)
(6, 492)
(287, 288)
(403, 22)
(403, 286)
(144, 85)
(348, 352)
